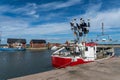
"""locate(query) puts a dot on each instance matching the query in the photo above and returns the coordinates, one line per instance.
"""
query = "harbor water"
(21, 63)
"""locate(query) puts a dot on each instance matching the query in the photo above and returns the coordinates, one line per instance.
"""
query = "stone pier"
(99, 70)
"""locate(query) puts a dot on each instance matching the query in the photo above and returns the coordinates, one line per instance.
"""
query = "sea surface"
(21, 63)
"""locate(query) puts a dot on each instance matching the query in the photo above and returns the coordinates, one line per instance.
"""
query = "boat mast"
(0, 36)
(102, 28)
(86, 30)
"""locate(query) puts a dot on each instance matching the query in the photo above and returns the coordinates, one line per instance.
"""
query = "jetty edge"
(98, 70)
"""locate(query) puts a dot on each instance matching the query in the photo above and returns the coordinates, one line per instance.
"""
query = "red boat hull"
(62, 62)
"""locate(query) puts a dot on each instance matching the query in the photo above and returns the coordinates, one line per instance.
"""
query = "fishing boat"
(16, 45)
(12, 49)
(81, 51)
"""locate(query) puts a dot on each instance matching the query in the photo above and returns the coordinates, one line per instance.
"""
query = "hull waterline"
(62, 62)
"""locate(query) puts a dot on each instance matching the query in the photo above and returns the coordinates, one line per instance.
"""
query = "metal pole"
(102, 28)
(0, 36)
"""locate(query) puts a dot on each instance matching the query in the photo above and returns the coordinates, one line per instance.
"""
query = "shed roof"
(38, 41)
(13, 40)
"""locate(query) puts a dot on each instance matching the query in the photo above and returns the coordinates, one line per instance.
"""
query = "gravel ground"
(100, 70)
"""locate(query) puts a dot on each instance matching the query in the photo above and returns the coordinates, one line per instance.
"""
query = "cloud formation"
(59, 4)
(110, 17)
(46, 16)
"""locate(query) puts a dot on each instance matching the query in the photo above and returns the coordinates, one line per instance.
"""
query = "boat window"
(86, 48)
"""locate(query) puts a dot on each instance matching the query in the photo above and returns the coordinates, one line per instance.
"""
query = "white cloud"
(19, 26)
(29, 9)
(67, 4)
(13, 26)
(4, 8)
(59, 4)
(47, 28)
(34, 10)
(110, 17)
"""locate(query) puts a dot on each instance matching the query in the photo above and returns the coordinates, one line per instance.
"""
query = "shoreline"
(98, 70)
(43, 48)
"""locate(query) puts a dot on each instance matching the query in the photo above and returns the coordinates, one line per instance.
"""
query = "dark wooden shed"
(37, 43)
(12, 41)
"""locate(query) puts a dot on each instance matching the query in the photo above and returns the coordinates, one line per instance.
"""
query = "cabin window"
(86, 48)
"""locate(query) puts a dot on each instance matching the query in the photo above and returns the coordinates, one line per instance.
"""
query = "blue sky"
(49, 19)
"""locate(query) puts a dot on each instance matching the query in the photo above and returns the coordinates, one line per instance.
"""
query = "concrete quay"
(108, 69)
